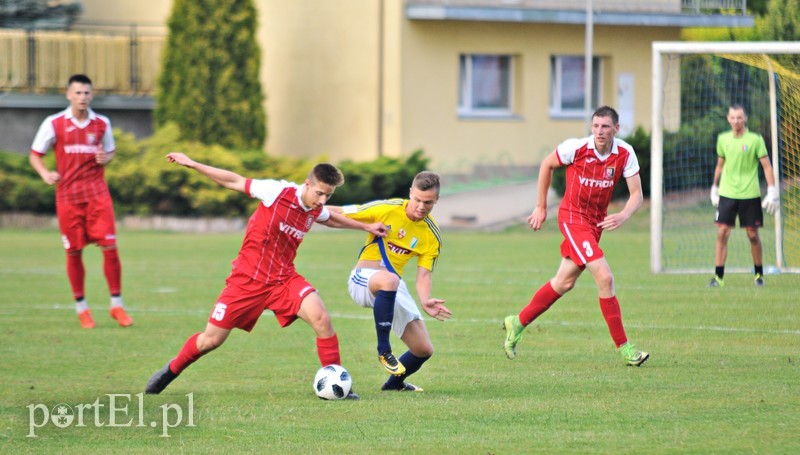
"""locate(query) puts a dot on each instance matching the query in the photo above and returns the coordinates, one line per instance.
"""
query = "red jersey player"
(264, 275)
(595, 166)
(83, 145)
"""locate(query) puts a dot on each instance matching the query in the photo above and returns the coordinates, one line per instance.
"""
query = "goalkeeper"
(736, 191)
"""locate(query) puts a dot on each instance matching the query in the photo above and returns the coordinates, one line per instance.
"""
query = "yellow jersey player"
(376, 281)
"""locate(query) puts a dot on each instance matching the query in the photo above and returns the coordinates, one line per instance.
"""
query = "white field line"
(16, 309)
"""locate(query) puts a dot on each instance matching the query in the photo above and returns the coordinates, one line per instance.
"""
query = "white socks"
(116, 301)
(81, 306)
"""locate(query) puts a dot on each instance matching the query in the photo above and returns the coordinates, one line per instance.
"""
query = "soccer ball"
(332, 382)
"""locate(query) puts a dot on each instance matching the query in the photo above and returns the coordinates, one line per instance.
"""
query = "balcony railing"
(37, 61)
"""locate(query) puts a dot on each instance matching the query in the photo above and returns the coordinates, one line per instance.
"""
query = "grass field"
(723, 376)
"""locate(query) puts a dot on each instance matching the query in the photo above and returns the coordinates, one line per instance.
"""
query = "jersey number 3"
(587, 250)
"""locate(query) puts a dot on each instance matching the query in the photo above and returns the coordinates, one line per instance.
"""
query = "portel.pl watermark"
(114, 410)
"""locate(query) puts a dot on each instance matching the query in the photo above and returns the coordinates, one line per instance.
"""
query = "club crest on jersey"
(309, 221)
(401, 233)
(610, 173)
(91, 138)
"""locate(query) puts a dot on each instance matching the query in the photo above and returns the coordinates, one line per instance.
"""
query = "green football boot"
(514, 330)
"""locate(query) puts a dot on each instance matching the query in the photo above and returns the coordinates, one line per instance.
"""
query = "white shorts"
(405, 308)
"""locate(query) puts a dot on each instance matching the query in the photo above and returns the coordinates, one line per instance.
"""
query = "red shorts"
(581, 243)
(243, 300)
(85, 223)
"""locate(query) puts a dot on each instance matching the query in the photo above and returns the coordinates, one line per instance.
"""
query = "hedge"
(142, 182)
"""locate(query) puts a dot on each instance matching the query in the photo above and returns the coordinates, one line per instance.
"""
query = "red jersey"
(591, 178)
(75, 144)
(275, 230)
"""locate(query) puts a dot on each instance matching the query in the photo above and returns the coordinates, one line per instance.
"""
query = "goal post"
(694, 83)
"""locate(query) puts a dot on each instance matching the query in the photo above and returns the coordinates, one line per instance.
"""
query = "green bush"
(383, 178)
(21, 188)
(142, 181)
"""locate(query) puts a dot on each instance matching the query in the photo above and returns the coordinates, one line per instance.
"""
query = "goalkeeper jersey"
(405, 238)
(739, 179)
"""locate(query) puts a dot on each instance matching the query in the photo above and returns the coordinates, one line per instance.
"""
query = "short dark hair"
(607, 111)
(737, 106)
(79, 78)
(426, 180)
(327, 174)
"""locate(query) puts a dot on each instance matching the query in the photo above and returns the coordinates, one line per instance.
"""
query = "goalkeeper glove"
(771, 201)
(715, 195)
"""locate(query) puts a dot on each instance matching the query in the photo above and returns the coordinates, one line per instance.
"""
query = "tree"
(781, 21)
(209, 84)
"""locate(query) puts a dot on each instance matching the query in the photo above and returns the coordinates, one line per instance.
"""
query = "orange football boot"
(121, 316)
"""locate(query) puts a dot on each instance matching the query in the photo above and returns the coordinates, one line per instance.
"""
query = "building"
(471, 82)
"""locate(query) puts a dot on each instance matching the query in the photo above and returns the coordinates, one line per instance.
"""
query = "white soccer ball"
(332, 382)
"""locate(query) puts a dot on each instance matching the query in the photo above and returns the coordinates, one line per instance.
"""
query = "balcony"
(40, 62)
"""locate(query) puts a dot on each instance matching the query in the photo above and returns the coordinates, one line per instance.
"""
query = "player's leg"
(101, 229)
(312, 310)
(195, 347)
(383, 285)
(751, 218)
(756, 249)
(514, 325)
(71, 224)
(239, 305)
(612, 313)
(410, 327)
(725, 219)
(377, 289)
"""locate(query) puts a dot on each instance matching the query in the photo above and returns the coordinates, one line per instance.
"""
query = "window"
(485, 85)
(568, 86)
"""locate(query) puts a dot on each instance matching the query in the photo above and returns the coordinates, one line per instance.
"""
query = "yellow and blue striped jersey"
(405, 238)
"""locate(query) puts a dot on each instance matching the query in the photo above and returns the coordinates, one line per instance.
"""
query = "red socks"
(328, 350)
(76, 273)
(111, 267)
(613, 317)
(545, 297)
(113, 270)
(188, 355)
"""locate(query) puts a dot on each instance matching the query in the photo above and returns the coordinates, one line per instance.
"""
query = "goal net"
(694, 83)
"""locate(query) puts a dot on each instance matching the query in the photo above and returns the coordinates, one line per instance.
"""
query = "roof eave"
(526, 15)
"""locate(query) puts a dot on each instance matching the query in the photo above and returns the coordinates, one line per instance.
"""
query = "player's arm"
(539, 215)
(37, 162)
(106, 152)
(339, 221)
(635, 201)
(431, 305)
(718, 170)
(764, 160)
(227, 179)
(44, 140)
(715, 183)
